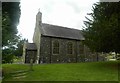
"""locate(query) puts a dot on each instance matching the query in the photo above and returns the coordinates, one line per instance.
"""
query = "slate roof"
(62, 32)
(31, 46)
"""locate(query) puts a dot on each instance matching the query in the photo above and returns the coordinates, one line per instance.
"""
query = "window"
(69, 48)
(55, 47)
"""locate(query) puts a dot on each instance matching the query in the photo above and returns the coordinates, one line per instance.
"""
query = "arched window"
(69, 48)
(55, 47)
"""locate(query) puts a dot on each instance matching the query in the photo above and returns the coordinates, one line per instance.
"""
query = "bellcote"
(39, 17)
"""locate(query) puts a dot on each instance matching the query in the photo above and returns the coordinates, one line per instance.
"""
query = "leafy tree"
(8, 55)
(102, 32)
(10, 20)
(19, 49)
(14, 51)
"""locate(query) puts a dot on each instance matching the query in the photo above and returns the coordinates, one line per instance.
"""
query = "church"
(56, 44)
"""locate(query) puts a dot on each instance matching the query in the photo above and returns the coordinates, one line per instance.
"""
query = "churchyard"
(87, 71)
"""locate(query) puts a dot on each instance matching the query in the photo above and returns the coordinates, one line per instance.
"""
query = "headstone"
(31, 64)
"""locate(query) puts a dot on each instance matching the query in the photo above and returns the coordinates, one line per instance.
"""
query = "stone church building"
(56, 44)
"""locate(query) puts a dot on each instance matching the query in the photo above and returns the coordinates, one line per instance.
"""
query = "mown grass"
(0, 72)
(89, 71)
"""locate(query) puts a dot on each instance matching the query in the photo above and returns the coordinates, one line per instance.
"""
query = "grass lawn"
(0, 72)
(89, 71)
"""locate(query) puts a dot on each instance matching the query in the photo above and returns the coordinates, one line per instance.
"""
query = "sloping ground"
(89, 71)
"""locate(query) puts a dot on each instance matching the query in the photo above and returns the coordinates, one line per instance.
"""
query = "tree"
(13, 51)
(102, 32)
(10, 20)
(8, 55)
(19, 49)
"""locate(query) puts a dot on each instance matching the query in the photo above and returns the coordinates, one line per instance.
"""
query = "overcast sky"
(68, 13)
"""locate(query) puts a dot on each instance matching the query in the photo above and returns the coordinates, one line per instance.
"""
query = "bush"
(7, 58)
(8, 55)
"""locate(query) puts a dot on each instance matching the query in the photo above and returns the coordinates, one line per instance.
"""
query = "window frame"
(70, 49)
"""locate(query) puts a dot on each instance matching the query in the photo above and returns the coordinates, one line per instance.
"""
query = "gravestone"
(31, 64)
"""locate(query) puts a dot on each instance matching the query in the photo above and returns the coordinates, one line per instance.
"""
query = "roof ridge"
(60, 31)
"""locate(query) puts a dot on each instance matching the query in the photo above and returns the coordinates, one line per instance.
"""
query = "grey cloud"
(77, 9)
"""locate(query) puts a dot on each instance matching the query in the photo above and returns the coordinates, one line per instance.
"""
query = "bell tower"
(37, 34)
(39, 18)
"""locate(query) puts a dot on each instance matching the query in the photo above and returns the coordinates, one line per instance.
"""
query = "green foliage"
(19, 49)
(12, 44)
(102, 32)
(10, 20)
(10, 52)
(8, 55)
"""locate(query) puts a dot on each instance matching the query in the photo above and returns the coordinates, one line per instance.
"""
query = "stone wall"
(37, 33)
(46, 55)
(45, 50)
(30, 55)
(81, 53)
